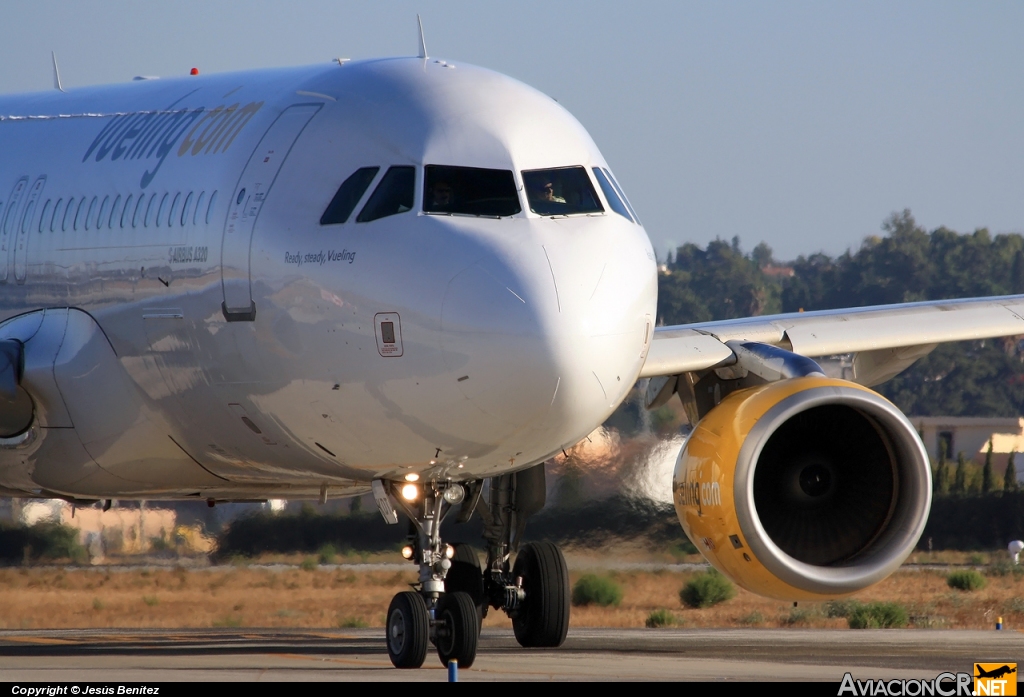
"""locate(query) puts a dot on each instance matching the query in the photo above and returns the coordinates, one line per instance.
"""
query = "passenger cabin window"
(115, 213)
(69, 214)
(348, 195)
(186, 209)
(611, 195)
(209, 210)
(44, 217)
(199, 206)
(393, 195)
(469, 191)
(562, 191)
(126, 214)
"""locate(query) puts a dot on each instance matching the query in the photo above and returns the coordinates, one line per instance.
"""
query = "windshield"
(392, 196)
(562, 191)
(469, 191)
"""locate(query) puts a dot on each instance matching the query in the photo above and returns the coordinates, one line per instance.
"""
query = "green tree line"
(905, 264)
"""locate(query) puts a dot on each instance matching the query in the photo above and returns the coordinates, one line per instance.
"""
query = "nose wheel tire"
(408, 630)
(458, 630)
(543, 617)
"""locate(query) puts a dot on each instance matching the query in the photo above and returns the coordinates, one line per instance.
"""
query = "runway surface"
(138, 656)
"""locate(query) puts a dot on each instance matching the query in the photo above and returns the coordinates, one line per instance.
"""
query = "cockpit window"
(349, 193)
(393, 195)
(562, 191)
(615, 183)
(609, 193)
(469, 191)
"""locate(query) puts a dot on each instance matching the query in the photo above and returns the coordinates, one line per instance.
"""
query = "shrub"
(840, 608)
(966, 580)
(754, 617)
(798, 615)
(878, 616)
(352, 623)
(660, 618)
(596, 590)
(40, 541)
(1015, 605)
(327, 554)
(1004, 567)
(308, 564)
(151, 600)
(706, 589)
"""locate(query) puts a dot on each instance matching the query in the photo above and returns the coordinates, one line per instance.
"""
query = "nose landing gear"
(453, 594)
(428, 614)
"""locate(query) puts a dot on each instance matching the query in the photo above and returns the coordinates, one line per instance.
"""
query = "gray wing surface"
(885, 338)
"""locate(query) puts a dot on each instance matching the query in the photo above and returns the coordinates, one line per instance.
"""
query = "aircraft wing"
(887, 338)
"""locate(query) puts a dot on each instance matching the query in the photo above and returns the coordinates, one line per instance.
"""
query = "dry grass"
(226, 597)
(330, 598)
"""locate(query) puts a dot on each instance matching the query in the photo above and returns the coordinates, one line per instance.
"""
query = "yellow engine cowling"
(803, 489)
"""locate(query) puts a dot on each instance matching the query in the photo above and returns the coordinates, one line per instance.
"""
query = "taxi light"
(449, 551)
(410, 492)
(407, 552)
(412, 477)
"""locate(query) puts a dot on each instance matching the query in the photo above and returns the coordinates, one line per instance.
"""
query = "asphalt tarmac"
(138, 656)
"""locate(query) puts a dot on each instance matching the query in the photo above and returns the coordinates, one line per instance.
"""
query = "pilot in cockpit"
(441, 195)
(546, 192)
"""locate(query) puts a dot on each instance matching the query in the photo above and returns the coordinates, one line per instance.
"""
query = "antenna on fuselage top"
(423, 42)
(56, 73)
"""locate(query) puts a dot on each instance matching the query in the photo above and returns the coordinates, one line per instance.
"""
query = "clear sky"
(801, 124)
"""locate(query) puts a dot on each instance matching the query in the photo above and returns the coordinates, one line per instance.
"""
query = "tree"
(1010, 478)
(986, 474)
(762, 255)
(960, 479)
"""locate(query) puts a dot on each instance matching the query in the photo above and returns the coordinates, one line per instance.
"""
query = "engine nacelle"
(806, 488)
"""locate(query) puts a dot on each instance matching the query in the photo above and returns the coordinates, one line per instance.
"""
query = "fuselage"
(272, 353)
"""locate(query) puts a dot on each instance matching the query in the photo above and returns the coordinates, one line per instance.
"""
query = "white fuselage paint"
(517, 336)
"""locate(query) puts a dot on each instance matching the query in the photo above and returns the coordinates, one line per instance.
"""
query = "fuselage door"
(8, 226)
(21, 243)
(245, 205)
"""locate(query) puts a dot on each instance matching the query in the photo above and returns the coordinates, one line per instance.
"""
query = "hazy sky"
(801, 124)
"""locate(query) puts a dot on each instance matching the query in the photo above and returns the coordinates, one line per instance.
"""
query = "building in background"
(971, 435)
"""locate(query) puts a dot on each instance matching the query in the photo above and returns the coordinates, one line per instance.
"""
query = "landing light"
(410, 492)
(407, 552)
(454, 494)
(412, 477)
(449, 551)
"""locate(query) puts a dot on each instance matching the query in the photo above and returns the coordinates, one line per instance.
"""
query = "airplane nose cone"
(543, 341)
(495, 342)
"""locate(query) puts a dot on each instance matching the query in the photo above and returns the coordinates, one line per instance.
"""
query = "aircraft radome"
(420, 278)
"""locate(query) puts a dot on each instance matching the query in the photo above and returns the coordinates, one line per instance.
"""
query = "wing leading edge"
(886, 337)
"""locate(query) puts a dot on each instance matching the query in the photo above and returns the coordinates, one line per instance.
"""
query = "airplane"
(421, 279)
(995, 672)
